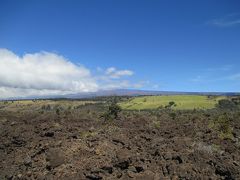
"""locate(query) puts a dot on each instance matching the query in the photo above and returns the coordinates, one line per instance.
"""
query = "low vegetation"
(112, 112)
(171, 101)
(222, 125)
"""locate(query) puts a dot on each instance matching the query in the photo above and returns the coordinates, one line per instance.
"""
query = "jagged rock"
(146, 175)
(108, 169)
(54, 158)
(19, 142)
(28, 161)
(49, 134)
(93, 177)
(123, 159)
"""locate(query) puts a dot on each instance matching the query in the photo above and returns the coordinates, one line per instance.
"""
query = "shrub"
(156, 124)
(113, 110)
(106, 116)
(160, 107)
(58, 111)
(173, 115)
(226, 104)
(222, 125)
(46, 107)
(236, 100)
(171, 104)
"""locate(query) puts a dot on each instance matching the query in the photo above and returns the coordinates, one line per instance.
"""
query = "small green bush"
(226, 104)
(156, 124)
(58, 111)
(222, 124)
(113, 110)
(171, 104)
(173, 115)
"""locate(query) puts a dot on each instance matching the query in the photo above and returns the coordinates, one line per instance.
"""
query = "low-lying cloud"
(43, 70)
(45, 73)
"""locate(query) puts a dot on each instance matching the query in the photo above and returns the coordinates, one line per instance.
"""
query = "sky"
(61, 47)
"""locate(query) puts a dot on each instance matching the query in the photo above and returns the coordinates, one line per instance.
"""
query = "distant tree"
(171, 104)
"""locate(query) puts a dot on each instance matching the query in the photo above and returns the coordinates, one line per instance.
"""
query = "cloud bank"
(45, 73)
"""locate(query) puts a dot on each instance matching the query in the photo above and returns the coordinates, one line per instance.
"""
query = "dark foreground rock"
(77, 145)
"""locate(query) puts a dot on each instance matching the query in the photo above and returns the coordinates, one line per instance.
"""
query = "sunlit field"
(181, 101)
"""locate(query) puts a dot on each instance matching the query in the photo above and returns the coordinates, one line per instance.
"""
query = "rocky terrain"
(75, 143)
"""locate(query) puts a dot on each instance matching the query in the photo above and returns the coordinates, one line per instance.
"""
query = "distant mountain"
(136, 92)
(127, 92)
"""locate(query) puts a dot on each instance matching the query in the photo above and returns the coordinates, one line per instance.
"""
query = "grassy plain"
(38, 104)
(181, 101)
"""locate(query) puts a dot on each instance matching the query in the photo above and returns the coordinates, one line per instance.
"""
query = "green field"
(182, 102)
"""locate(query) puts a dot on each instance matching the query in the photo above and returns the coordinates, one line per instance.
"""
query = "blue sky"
(166, 45)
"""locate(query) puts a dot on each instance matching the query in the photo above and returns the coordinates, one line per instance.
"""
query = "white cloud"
(45, 74)
(123, 84)
(113, 78)
(113, 73)
(42, 74)
(110, 70)
(117, 85)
